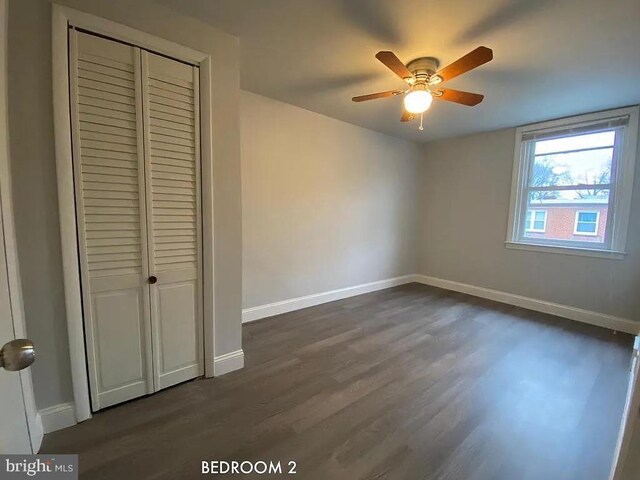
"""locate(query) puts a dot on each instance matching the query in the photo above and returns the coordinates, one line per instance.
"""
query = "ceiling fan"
(424, 80)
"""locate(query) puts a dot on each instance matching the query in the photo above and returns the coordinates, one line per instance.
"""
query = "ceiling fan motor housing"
(423, 68)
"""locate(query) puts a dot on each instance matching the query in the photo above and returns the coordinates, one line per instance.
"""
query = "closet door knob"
(153, 279)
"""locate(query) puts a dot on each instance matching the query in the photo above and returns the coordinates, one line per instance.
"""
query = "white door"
(626, 464)
(111, 212)
(172, 165)
(14, 429)
(137, 176)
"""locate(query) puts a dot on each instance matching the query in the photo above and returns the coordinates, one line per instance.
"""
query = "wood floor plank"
(412, 382)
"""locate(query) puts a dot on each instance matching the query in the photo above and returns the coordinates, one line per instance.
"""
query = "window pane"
(586, 227)
(588, 167)
(590, 140)
(534, 220)
(572, 216)
(587, 217)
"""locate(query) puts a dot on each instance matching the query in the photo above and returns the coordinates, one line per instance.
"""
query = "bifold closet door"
(106, 107)
(137, 176)
(172, 165)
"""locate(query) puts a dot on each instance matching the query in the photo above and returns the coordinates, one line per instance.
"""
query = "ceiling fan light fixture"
(417, 101)
(424, 76)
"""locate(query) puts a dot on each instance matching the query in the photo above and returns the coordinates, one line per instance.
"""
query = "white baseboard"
(565, 311)
(276, 308)
(573, 313)
(58, 417)
(228, 362)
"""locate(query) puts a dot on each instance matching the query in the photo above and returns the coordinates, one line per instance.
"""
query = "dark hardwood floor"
(412, 382)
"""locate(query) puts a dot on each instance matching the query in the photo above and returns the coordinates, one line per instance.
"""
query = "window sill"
(585, 252)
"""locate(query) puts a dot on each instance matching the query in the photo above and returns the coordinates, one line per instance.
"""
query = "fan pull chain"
(421, 127)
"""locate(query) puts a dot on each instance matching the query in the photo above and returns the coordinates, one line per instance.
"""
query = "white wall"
(36, 199)
(466, 189)
(325, 204)
(34, 176)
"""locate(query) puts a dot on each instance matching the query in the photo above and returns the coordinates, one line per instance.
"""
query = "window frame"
(577, 220)
(620, 187)
(530, 227)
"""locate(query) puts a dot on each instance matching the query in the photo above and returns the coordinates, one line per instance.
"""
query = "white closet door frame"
(62, 19)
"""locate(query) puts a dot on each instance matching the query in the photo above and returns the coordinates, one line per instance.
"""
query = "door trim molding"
(62, 17)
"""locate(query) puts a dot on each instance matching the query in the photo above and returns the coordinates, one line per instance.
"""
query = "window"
(536, 221)
(572, 183)
(586, 223)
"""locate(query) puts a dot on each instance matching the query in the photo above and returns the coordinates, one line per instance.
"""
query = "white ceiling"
(552, 58)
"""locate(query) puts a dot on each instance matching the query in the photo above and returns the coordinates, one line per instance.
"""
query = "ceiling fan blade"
(471, 60)
(396, 66)
(458, 96)
(407, 116)
(373, 96)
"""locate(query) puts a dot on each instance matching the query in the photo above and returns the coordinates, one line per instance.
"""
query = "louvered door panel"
(110, 197)
(172, 162)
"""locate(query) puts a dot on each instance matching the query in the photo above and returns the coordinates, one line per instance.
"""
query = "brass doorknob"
(17, 354)
(153, 279)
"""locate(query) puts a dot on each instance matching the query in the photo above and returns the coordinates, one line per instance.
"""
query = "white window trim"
(597, 222)
(622, 188)
(583, 251)
(529, 228)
